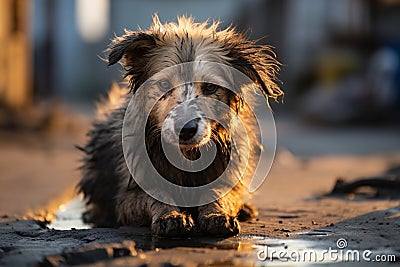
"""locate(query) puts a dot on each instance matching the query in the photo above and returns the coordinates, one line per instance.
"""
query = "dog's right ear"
(132, 47)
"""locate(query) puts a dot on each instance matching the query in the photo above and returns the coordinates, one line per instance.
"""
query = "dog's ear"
(131, 46)
(258, 63)
(133, 49)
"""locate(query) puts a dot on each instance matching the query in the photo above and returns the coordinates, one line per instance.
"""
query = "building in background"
(15, 54)
(318, 42)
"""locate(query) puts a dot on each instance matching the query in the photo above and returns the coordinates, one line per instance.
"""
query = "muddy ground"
(38, 174)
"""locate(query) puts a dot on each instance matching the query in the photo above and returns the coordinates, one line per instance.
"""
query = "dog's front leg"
(135, 207)
(220, 216)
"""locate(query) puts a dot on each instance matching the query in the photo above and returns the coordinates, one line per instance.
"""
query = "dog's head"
(152, 54)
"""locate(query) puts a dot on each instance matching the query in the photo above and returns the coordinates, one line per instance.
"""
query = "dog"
(112, 195)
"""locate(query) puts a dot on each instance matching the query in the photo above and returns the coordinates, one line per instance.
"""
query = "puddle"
(260, 250)
(316, 232)
(68, 216)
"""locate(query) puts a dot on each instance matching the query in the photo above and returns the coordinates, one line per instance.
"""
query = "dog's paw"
(219, 224)
(172, 225)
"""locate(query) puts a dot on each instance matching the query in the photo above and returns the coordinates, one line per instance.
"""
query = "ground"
(39, 172)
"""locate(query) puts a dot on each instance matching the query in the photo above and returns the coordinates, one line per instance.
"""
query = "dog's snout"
(188, 130)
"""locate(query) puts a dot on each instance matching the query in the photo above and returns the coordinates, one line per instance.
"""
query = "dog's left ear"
(258, 63)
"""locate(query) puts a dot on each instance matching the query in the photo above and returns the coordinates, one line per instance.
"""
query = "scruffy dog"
(113, 197)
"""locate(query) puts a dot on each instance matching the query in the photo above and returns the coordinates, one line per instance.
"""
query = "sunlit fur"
(112, 196)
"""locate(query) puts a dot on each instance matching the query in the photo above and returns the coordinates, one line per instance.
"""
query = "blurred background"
(340, 74)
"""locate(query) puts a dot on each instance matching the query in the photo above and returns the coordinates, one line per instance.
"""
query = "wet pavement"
(356, 241)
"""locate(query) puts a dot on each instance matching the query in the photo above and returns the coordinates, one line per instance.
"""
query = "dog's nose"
(188, 130)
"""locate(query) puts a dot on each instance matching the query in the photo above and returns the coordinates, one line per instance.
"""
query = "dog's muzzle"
(187, 131)
(186, 125)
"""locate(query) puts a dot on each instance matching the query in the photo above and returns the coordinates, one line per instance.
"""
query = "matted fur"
(111, 202)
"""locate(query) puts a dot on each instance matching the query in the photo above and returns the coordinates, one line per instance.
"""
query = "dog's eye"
(164, 85)
(209, 88)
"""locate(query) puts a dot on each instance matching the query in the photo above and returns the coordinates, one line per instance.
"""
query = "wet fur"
(110, 201)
